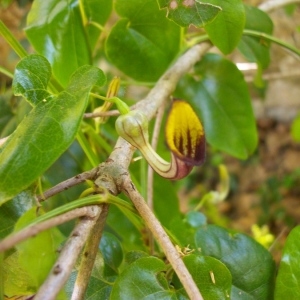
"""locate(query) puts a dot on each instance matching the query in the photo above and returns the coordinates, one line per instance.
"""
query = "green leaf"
(46, 243)
(11, 211)
(121, 227)
(97, 289)
(184, 228)
(97, 13)
(45, 133)
(226, 30)
(59, 36)
(17, 281)
(31, 79)
(295, 129)
(140, 281)
(196, 219)
(185, 13)
(222, 100)
(251, 265)
(252, 47)
(111, 250)
(288, 278)
(210, 275)
(143, 43)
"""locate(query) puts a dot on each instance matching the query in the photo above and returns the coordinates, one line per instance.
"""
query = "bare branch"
(150, 175)
(64, 185)
(163, 240)
(154, 141)
(275, 4)
(68, 256)
(89, 256)
(33, 230)
(110, 113)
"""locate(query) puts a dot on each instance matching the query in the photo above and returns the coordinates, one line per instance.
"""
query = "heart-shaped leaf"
(250, 264)
(143, 37)
(31, 79)
(59, 36)
(210, 275)
(226, 30)
(190, 12)
(140, 281)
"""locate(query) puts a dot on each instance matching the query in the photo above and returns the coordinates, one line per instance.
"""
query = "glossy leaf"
(140, 280)
(222, 100)
(226, 30)
(143, 37)
(111, 250)
(185, 134)
(210, 275)
(250, 264)
(253, 48)
(185, 13)
(288, 278)
(59, 36)
(31, 79)
(123, 228)
(45, 133)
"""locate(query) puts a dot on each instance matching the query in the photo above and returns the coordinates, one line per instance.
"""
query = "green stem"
(196, 40)
(272, 39)
(11, 40)
(97, 25)
(6, 72)
(91, 200)
(121, 105)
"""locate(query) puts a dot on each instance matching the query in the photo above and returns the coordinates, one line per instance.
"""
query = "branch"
(89, 256)
(33, 230)
(150, 172)
(110, 113)
(64, 185)
(163, 240)
(68, 256)
(112, 172)
(275, 4)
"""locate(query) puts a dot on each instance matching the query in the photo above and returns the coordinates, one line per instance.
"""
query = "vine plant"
(61, 134)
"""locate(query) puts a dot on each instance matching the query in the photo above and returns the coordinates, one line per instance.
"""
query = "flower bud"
(133, 127)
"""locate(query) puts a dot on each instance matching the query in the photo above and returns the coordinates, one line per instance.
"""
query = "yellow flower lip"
(185, 134)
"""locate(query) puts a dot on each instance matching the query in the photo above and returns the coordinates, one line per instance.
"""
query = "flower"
(184, 134)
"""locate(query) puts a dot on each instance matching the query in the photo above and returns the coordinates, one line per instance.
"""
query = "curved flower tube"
(184, 134)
